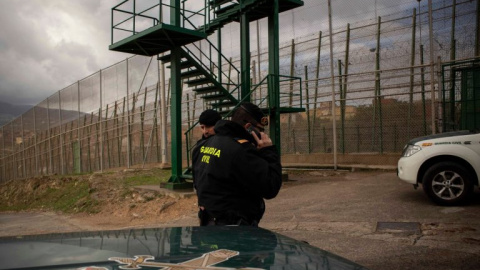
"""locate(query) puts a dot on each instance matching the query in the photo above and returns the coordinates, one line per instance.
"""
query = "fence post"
(332, 77)
(229, 73)
(452, 33)
(14, 167)
(117, 131)
(412, 71)
(3, 156)
(245, 56)
(123, 126)
(343, 98)
(79, 139)
(342, 109)
(441, 96)
(378, 96)
(422, 82)
(142, 134)
(188, 136)
(89, 146)
(101, 125)
(50, 161)
(131, 124)
(316, 82)
(155, 121)
(142, 124)
(290, 94)
(23, 148)
(129, 143)
(477, 30)
(193, 111)
(61, 134)
(452, 50)
(308, 111)
(98, 139)
(347, 61)
(432, 66)
(157, 143)
(34, 141)
(258, 59)
(106, 135)
(72, 150)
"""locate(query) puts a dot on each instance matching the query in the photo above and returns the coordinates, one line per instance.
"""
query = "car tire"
(448, 183)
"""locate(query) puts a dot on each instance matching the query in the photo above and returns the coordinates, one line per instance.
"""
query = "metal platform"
(157, 39)
(262, 11)
(256, 9)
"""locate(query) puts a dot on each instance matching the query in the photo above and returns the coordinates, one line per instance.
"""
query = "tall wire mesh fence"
(387, 89)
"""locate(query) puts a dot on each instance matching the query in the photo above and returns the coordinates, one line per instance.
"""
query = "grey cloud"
(50, 44)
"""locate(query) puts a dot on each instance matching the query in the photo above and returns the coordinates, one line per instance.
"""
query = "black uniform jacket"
(232, 176)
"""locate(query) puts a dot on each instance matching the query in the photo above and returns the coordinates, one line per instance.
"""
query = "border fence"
(388, 81)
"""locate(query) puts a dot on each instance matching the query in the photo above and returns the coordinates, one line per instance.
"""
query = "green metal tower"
(172, 26)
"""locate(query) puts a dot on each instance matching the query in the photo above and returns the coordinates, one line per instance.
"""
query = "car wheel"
(448, 183)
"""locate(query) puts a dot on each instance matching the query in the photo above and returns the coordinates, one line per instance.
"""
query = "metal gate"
(470, 103)
(461, 95)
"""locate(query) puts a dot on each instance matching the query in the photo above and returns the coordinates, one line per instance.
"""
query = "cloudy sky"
(47, 45)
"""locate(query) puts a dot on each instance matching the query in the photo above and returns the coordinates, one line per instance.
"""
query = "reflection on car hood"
(181, 248)
(442, 135)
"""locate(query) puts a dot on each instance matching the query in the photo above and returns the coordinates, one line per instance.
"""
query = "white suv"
(447, 165)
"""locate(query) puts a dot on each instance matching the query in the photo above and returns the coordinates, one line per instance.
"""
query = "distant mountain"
(8, 111)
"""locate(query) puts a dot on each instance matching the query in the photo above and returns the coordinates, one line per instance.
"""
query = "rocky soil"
(102, 200)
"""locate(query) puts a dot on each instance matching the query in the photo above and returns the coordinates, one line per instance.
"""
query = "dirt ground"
(337, 211)
(115, 205)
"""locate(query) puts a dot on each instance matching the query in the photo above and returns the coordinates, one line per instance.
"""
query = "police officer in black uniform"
(207, 121)
(236, 169)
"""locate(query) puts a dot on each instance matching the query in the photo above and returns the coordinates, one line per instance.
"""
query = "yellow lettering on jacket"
(205, 159)
(210, 151)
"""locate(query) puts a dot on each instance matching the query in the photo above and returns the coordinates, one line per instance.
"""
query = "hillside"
(8, 111)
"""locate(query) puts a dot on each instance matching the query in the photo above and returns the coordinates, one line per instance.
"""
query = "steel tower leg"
(274, 72)
(176, 181)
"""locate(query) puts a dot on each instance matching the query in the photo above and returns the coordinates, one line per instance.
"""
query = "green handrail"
(155, 21)
(230, 82)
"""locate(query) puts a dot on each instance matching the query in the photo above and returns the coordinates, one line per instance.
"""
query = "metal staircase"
(179, 36)
(203, 81)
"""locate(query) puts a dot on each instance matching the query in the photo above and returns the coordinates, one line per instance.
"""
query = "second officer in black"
(235, 170)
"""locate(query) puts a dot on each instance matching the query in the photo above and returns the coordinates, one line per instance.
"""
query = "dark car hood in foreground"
(186, 248)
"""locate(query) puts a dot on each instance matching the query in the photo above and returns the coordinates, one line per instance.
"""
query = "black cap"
(209, 117)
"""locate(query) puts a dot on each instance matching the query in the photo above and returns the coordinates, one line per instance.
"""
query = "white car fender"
(440, 148)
